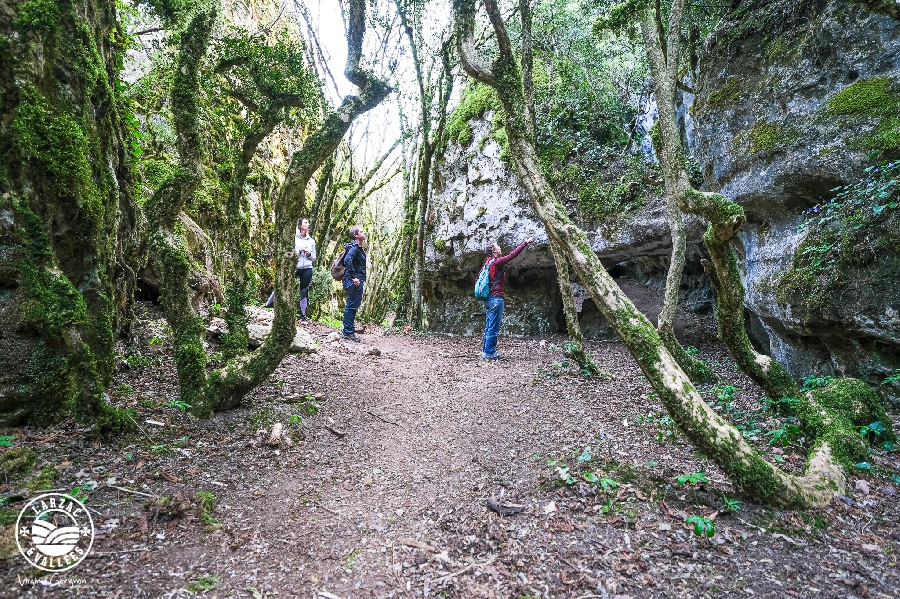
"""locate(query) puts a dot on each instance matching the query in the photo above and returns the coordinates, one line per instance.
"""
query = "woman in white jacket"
(305, 247)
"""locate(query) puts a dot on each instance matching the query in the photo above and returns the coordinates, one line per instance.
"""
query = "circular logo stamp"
(54, 532)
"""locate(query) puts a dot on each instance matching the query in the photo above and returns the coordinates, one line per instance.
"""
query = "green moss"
(207, 503)
(763, 137)
(476, 100)
(858, 402)
(851, 244)
(54, 142)
(776, 48)
(727, 95)
(868, 99)
(16, 463)
(886, 135)
(865, 97)
(768, 136)
(44, 480)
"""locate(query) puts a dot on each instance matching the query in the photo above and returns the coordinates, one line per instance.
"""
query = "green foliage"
(693, 478)
(178, 404)
(585, 455)
(321, 290)
(204, 583)
(839, 246)
(785, 435)
(702, 525)
(7, 440)
(40, 16)
(814, 382)
(731, 505)
(621, 18)
(603, 482)
(260, 70)
(600, 201)
(207, 503)
(894, 378)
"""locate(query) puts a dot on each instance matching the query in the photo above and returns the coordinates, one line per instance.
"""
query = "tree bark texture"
(70, 229)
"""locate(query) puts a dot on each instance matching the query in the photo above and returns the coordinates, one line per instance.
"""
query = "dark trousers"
(354, 299)
(304, 279)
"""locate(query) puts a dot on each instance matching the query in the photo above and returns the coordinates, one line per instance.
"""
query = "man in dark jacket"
(493, 305)
(354, 280)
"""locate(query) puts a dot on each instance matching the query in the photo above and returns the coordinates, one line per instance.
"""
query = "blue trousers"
(354, 299)
(493, 309)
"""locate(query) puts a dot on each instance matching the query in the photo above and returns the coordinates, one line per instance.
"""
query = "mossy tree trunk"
(407, 242)
(266, 116)
(574, 349)
(708, 431)
(226, 387)
(167, 247)
(70, 241)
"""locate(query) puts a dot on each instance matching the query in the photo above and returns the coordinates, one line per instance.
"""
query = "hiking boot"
(350, 337)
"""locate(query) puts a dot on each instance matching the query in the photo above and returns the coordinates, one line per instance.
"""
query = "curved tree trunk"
(651, 27)
(575, 347)
(708, 431)
(724, 216)
(167, 250)
(238, 294)
(226, 387)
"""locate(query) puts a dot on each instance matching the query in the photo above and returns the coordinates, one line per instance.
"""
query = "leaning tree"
(834, 442)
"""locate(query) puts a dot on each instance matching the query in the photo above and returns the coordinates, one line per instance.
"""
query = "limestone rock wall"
(477, 200)
(769, 138)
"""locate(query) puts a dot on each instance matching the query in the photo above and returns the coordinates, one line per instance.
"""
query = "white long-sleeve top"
(304, 243)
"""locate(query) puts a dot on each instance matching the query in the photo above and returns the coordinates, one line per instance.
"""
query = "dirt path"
(383, 491)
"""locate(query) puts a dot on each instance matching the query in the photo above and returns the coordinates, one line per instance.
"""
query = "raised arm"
(502, 260)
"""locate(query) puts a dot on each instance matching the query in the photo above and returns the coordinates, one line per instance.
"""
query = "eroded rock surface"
(478, 200)
(783, 116)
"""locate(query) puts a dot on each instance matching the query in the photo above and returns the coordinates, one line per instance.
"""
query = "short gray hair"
(489, 248)
(355, 230)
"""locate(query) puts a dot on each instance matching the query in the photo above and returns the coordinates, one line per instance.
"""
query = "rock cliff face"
(478, 200)
(783, 116)
(792, 101)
